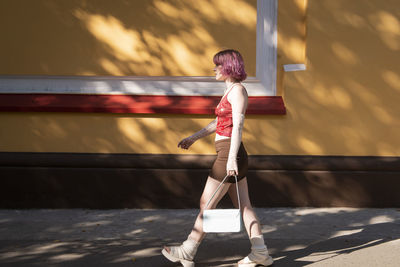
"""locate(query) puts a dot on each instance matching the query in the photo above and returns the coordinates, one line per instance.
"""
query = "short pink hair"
(232, 64)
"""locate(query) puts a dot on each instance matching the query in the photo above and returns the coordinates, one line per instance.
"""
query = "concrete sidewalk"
(295, 237)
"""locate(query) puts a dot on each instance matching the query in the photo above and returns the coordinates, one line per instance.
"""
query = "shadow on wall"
(116, 237)
(119, 38)
(102, 133)
(345, 103)
(82, 185)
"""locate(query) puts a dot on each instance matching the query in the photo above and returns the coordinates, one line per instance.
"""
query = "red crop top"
(224, 114)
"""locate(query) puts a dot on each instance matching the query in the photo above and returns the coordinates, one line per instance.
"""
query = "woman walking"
(231, 160)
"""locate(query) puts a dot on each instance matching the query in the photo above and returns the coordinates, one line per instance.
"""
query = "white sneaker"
(174, 258)
(183, 253)
(257, 257)
(248, 263)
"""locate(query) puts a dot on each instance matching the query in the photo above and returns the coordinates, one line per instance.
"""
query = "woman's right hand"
(186, 143)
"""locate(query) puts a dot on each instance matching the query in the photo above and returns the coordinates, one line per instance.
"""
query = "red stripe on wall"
(145, 104)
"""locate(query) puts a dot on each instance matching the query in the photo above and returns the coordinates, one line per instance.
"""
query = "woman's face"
(218, 74)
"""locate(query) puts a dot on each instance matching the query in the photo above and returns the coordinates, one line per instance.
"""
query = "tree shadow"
(344, 103)
(337, 246)
(358, 114)
(151, 38)
(295, 237)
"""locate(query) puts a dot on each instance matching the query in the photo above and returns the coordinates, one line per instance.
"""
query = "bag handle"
(219, 186)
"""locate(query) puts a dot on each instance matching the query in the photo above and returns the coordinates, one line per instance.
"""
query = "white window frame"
(264, 84)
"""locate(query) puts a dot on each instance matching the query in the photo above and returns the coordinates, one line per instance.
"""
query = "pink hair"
(232, 64)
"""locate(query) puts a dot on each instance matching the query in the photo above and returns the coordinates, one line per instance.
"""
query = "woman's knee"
(246, 207)
(203, 204)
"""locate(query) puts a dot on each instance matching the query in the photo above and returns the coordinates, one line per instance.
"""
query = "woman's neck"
(229, 83)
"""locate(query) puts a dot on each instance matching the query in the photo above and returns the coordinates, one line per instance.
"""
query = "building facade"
(95, 96)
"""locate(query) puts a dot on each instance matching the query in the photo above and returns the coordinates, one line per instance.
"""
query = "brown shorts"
(218, 170)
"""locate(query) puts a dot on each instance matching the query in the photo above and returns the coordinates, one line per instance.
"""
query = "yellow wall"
(110, 133)
(119, 37)
(345, 103)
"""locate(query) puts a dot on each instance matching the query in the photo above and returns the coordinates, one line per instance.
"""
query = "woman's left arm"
(238, 100)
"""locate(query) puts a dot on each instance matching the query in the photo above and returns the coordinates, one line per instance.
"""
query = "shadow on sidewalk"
(368, 236)
(295, 237)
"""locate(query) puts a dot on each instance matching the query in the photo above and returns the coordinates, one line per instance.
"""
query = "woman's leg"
(259, 253)
(188, 249)
(197, 233)
(250, 219)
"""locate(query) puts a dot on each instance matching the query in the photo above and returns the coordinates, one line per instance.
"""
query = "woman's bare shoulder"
(238, 94)
(239, 89)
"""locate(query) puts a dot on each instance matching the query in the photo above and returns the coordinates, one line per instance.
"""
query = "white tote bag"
(222, 220)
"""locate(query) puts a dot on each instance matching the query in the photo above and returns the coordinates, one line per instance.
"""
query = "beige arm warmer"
(236, 139)
(188, 141)
(209, 129)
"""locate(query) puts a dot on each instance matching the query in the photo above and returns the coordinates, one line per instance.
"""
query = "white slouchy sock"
(185, 251)
(259, 251)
